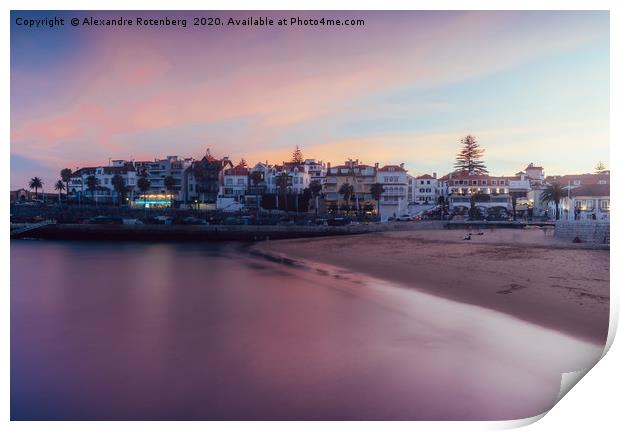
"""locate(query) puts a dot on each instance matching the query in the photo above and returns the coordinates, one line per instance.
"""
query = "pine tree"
(600, 167)
(297, 156)
(470, 157)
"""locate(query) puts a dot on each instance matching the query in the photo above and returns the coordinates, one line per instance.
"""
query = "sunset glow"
(532, 86)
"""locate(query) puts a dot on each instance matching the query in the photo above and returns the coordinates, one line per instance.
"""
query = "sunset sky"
(532, 86)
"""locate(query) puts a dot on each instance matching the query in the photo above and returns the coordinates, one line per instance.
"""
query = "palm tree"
(513, 198)
(65, 175)
(315, 188)
(282, 183)
(346, 190)
(36, 183)
(143, 184)
(376, 190)
(91, 184)
(59, 187)
(474, 212)
(169, 184)
(553, 193)
(119, 186)
(441, 201)
(255, 178)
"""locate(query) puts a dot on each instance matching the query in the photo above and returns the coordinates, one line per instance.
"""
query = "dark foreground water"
(165, 331)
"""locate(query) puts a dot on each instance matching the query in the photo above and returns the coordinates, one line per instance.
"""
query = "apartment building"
(203, 179)
(425, 189)
(393, 201)
(157, 170)
(359, 175)
(458, 187)
(104, 190)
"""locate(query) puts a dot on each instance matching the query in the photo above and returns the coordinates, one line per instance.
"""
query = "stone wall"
(586, 230)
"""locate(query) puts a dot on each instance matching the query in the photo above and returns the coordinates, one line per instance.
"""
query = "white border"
(593, 404)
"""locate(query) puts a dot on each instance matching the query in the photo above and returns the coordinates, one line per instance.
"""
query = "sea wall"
(596, 232)
(189, 232)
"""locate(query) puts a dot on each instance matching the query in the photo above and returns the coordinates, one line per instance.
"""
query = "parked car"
(404, 217)
(231, 221)
(338, 221)
(193, 220)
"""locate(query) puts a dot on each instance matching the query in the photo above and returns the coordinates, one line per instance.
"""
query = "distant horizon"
(533, 86)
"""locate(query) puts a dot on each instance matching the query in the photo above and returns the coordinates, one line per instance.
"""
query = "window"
(604, 204)
(484, 182)
(474, 182)
(501, 182)
(493, 182)
(229, 181)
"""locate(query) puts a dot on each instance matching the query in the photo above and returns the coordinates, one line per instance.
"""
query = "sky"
(402, 88)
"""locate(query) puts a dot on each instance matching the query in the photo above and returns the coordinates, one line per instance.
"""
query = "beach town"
(405, 219)
(531, 241)
(352, 190)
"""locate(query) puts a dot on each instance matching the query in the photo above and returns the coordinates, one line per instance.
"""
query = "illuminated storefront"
(154, 201)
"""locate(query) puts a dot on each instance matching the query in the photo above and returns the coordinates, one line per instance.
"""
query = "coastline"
(526, 274)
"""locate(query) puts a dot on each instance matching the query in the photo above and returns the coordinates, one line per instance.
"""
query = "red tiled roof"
(425, 177)
(237, 170)
(582, 178)
(589, 190)
(390, 168)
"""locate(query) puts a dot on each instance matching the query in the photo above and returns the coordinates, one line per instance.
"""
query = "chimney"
(402, 166)
(377, 165)
(329, 165)
(434, 174)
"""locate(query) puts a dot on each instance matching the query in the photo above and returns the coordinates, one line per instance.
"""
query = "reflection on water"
(165, 331)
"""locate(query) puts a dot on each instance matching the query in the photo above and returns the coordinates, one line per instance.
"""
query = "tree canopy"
(297, 156)
(469, 159)
(600, 167)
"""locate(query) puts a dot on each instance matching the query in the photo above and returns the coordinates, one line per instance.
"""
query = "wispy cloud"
(341, 92)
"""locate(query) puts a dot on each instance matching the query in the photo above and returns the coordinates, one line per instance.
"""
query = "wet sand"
(525, 273)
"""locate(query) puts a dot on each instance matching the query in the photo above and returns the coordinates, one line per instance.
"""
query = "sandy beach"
(525, 273)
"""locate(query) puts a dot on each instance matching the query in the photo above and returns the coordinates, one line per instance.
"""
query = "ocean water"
(124, 331)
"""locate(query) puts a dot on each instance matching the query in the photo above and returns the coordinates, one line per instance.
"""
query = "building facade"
(393, 202)
(425, 189)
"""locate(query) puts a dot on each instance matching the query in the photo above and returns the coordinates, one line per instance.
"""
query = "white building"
(104, 190)
(315, 169)
(234, 188)
(299, 178)
(394, 200)
(587, 198)
(458, 188)
(158, 169)
(426, 189)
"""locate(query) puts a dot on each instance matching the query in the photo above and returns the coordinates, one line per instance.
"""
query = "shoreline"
(540, 280)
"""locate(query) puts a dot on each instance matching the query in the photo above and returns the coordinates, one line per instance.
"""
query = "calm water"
(164, 331)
